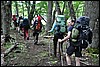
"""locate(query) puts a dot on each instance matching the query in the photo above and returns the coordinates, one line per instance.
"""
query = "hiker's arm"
(54, 25)
(66, 38)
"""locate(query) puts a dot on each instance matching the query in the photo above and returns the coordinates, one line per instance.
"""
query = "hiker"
(59, 28)
(20, 20)
(37, 28)
(77, 39)
(24, 26)
(14, 21)
(71, 48)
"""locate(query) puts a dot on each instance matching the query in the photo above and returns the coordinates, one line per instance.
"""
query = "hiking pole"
(49, 50)
(61, 53)
(49, 46)
(49, 37)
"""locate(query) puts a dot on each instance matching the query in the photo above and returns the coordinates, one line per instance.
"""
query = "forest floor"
(29, 54)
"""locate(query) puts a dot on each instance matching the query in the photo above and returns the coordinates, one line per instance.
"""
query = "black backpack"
(86, 33)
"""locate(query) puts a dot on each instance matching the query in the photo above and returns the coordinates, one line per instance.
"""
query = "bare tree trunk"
(54, 12)
(92, 10)
(28, 7)
(32, 11)
(72, 12)
(63, 7)
(17, 8)
(58, 8)
(10, 19)
(22, 8)
(49, 17)
(66, 5)
(6, 18)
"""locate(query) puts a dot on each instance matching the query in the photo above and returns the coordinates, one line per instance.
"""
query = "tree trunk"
(17, 8)
(72, 12)
(67, 13)
(63, 7)
(32, 11)
(49, 17)
(6, 18)
(22, 8)
(58, 8)
(92, 10)
(28, 7)
(53, 19)
(10, 19)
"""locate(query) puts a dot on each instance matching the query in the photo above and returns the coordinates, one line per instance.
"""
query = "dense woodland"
(48, 11)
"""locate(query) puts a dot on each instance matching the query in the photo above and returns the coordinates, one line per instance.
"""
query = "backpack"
(75, 32)
(38, 25)
(61, 25)
(25, 23)
(14, 18)
(81, 33)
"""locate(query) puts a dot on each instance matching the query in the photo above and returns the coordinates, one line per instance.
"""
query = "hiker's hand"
(59, 40)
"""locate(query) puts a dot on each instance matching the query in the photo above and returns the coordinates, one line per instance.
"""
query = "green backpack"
(75, 33)
(61, 23)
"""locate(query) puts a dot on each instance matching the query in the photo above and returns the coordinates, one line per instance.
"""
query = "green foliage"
(7, 45)
(93, 50)
(78, 7)
(43, 54)
(42, 6)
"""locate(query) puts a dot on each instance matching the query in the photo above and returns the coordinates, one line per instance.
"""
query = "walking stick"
(61, 54)
(49, 37)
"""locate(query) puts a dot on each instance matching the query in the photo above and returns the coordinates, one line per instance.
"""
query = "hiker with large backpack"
(25, 26)
(79, 34)
(59, 28)
(37, 28)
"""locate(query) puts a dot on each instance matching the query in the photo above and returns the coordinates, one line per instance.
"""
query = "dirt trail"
(29, 54)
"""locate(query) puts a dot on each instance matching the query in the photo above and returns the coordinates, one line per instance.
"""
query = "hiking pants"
(55, 40)
(36, 34)
(26, 36)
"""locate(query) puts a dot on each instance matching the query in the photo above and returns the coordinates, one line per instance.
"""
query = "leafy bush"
(93, 50)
